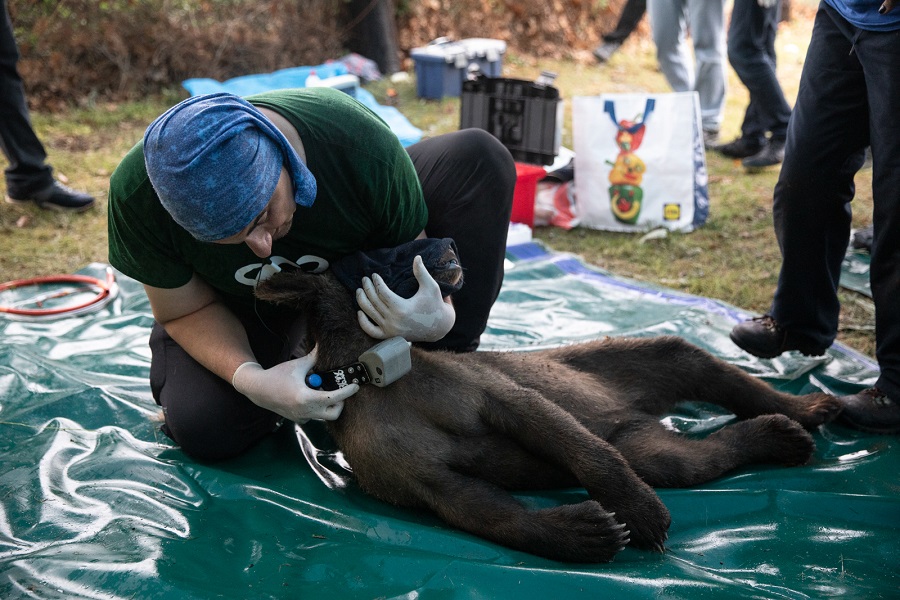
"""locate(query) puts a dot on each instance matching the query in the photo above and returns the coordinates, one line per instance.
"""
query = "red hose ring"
(104, 289)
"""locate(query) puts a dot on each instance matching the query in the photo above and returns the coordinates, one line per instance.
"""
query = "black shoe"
(771, 154)
(57, 197)
(862, 238)
(762, 337)
(871, 410)
(604, 51)
(740, 148)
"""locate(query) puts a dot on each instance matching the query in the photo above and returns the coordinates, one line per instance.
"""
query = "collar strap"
(335, 379)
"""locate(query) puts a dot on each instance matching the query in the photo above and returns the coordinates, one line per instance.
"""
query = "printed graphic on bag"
(640, 162)
(671, 212)
(625, 193)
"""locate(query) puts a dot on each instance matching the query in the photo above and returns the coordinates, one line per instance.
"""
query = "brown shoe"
(763, 337)
(871, 410)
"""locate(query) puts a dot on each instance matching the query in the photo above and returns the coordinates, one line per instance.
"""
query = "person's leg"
(744, 49)
(879, 55)
(468, 178)
(827, 136)
(780, 109)
(668, 25)
(203, 413)
(707, 24)
(27, 170)
(751, 51)
(632, 13)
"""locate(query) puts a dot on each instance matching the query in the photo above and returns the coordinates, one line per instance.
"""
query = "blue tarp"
(295, 77)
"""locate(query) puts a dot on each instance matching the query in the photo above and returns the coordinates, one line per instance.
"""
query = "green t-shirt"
(368, 197)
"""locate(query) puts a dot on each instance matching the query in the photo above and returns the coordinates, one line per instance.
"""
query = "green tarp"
(855, 272)
(96, 503)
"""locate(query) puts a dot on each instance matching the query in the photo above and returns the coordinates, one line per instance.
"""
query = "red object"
(527, 177)
(103, 291)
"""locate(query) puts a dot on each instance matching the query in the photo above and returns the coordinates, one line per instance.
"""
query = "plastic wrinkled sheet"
(295, 77)
(96, 503)
(855, 272)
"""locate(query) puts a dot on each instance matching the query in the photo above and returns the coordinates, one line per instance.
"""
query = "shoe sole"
(51, 206)
(758, 168)
(734, 155)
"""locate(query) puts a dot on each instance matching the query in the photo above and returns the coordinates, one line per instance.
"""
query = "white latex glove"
(766, 3)
(423, 318)
(283, 390)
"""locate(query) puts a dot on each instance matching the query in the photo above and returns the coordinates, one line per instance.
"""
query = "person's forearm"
(214, 337)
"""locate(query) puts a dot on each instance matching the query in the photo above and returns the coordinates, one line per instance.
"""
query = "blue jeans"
(705, 74)
(848, 97)
(751, 51)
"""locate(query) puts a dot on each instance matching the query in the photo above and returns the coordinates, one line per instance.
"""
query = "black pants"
(751, 51)
(468, 179)
(632, 13)
(27, 171)
(847, 100)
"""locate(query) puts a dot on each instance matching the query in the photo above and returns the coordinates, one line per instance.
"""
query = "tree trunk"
(372, 32)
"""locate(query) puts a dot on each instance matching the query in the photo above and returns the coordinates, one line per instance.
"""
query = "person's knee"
(709, 56)
(478, 144)
(487, 159)
(744, 58)
(737, 54)
(210, 432)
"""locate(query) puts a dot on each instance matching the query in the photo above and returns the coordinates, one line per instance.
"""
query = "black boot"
(56, 197)
(764, 338)
(871, 410)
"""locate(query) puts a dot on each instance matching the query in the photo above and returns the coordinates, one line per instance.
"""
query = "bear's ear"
(294, 289)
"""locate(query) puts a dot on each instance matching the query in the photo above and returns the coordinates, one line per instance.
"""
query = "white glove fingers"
(423, 276)
(329, 405)
(374, 290)
(308, 361)
(370, 328)
(364, 298)
(389, 301)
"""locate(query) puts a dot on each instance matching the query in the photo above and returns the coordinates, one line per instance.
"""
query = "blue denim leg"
(669, 23)
(707, 25)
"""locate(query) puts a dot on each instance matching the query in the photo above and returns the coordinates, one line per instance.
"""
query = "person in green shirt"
(222, 192)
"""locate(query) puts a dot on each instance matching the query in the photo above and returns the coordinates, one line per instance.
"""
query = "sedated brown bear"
(459, 432)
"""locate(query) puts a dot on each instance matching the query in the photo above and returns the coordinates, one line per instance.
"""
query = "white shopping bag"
(640, 162)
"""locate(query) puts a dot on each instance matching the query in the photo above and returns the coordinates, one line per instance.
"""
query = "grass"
(734, 257)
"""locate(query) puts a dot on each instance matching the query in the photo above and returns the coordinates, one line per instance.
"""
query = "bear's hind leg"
(666, 459)
(662, 371)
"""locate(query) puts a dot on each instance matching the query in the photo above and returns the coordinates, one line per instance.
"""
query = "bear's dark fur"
(460, 430)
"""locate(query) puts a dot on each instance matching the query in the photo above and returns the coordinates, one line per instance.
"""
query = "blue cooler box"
(443, 65)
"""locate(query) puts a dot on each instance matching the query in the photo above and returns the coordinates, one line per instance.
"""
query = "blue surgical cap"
(215, 160)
